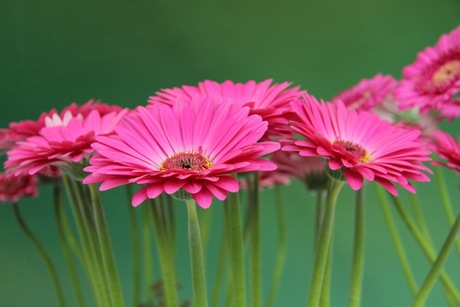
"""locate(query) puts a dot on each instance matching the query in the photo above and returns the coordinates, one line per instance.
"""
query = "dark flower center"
(357, 150)
(190, 161)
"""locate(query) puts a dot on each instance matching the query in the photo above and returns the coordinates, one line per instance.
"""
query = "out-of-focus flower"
(448, 149)
(432, 82)
(194, 146)
(270, 101)
(358, 144)
(13, 188)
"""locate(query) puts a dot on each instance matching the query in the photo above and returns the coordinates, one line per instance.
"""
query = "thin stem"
(200, 297)
(437, 266)
(166, 263)
(325, 234)
(205, 223)
(255, 270)
(318, 214)
(399, 246)
(419, 216)
(43, 254)
(64, 233)
(147, 249)
(235, 246)
(281, 255)
(325, 299)
(358, 251)
(136, 249)
(220, 274)
(105, 245)
(445, 200)
(427, 248)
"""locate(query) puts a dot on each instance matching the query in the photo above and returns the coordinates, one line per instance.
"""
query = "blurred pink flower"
(432, 82)
(13, 188)
(448, 149)
(270, 101)
(62, 141)
(368, 93)
(194, 146)
(358, 143)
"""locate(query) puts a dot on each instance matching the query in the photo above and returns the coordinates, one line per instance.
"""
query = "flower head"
(62, 141)
(368, 93)
(13, 188)
(432, 82)
(193, 146)
(270, 101)
(448, 149)
(358, 143)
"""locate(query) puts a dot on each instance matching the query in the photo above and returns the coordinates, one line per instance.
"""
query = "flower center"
(447, 72)
(190, 161)
(355, 149)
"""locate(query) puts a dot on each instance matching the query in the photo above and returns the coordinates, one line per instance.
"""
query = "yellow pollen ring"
(355, 149)
(446, 72)
(190, 161)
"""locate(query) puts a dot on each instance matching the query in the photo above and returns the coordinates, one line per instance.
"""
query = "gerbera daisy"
(13, 188)
(358, 143)
(271, 101)
(368, 93)
(448, 149)
(432, 82)
(193, 146)
(62, 142)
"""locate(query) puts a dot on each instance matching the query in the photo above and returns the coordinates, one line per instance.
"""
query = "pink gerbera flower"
(193, 146)
(13, 188)
(359, 144)
(368, 93)
(270, 101)
(22, 130)
(432, 82)
(62, 142)
(448, 149)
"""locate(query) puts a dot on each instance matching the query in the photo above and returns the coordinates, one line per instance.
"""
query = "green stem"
(85, 227)
(41, 251)
(437, 266)
(281, 255)
(358, 251)
(166, 259)
(205, 223)
(64, 233)
(235, 246)
(196, 257)
(136, 249)
(323, 244)
(399, 246)
(147, 249)
(419, 217)
(105, 245)
(255, 270)
(427, 248)
(325, 299)
(445, 200)
(318, 214)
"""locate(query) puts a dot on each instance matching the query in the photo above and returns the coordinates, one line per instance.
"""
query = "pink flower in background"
(22, 130)
(271, 101)
(292, 165)
(448, 149)
(432, 82)
(358, 143)
(62, 141)
(195, 145)
(13, 188)
(368, 93)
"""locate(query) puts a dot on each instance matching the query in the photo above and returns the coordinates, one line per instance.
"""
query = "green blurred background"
(57, 52)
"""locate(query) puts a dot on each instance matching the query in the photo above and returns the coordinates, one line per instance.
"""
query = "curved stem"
(427, 248)
(64, 235)
(323, 244)
(358, 251)
(105, 246)
(437, 266)
(399, 246)
(136, 249)
(281, 255)
(43, 254)
(196, 256)
(235, 247)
